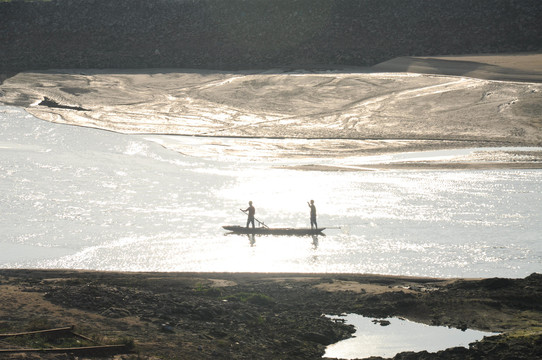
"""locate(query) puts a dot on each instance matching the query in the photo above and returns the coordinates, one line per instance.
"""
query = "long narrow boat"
(273, 231)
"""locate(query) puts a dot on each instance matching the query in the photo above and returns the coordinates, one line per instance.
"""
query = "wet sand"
(263, 316)
(402, 105)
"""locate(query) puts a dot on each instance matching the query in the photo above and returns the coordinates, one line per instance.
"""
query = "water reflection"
(315, 242)
(79, 198)
(252, 239)
(388, 337)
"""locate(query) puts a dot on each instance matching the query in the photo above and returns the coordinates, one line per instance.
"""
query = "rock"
(318, 338)
(167, 328)
(496, 283)
(116, 312)
(382, 322)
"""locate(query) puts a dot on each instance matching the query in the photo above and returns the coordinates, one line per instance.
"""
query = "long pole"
(259, 222)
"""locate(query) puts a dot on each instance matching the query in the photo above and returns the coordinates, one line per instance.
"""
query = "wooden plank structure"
(63, 331)
(83, 350)
(58, 331)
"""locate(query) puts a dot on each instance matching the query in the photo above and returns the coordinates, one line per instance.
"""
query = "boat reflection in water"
(252, 232)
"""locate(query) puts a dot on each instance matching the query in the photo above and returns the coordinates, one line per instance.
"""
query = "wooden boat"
(236, 229)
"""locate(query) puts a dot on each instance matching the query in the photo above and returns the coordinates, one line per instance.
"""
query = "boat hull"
(273, 231)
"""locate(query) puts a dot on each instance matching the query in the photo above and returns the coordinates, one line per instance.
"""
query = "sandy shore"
(264, 316)
(526, 67)
(402, 105)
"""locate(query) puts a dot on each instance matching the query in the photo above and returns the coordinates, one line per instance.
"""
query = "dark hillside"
(242, 34)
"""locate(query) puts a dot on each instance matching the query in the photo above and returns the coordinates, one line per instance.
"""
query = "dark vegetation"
(243, 34)
(273, 316)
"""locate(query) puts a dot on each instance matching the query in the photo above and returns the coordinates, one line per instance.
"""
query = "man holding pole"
(251, 212)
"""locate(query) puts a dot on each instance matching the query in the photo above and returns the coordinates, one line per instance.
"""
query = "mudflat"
(263, 316)
(402, 105)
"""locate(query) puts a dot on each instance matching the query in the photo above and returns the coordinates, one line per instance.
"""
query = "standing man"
(313, 214)
(251, 212)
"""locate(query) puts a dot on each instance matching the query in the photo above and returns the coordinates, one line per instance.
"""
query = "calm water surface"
(76, 197)
(372, 339)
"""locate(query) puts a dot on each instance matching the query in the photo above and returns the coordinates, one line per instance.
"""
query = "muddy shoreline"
(265, 316)
(403, 105)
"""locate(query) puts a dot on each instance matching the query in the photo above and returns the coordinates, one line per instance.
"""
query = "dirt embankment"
(239, 34)
(264, 316)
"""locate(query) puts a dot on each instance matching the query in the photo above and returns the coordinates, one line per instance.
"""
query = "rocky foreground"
(258, 316)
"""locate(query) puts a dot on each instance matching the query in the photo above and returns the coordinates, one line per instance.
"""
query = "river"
(81, 198)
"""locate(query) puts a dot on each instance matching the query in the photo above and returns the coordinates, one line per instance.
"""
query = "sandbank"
(522, 67)
(402, 105)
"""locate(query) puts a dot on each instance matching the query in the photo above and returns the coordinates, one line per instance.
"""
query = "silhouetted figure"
(251, 211)
(313, 214)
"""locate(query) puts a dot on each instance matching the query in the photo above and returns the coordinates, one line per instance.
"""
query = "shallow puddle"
(378, 338)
